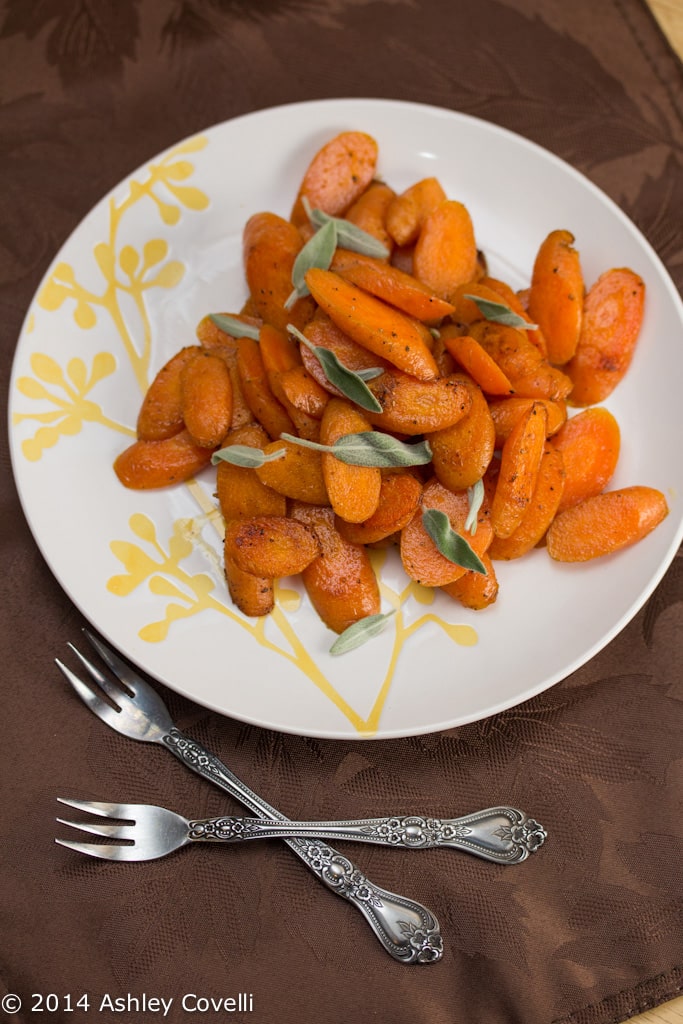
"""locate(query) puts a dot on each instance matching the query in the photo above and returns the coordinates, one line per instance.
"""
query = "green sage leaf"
(350, 236)
(452, 545)
(234, 327)
(317, 252)
(500, 313)
(371, 448)
(245, 456)
(475, 496)
(360, 632)
(350, 383)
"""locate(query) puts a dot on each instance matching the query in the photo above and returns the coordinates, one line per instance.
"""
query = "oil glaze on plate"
(127, 291)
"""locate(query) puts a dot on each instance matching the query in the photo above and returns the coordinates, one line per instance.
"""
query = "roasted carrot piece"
(324, 332)
(145, 465)
(474, 589)
(297, 475)
(253, 595)
(377, 326)
(270, 546)
(391, 285)
(512, 299)
(239, 490)
(353, 490)
(399, 497)
(530, 374)
(605, 523)
(542, 509)
(337, 175)
(446, 251)
(505, 412)
(303, 392)
(206, 391)
(411, 406)
(340, 583)
(474, 358)
(161, 412)
(260, 399)
(219, 343)
(280, 355)
(519, 466)
(271, 245)
(466, 311)
(369, 212)
(408, 211)
(421, 558)
(612, 319)
(461, 453)
(590, 444)
(556, 295)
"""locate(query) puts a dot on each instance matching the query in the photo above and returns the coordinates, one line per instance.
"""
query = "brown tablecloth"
(589, 931)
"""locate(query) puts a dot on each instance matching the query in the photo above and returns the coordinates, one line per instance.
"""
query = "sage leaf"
(350, 383)
(451, 545)
(475, 496)
(317, 252)
(350, 236)
(370, 448)
(234, 327)
(246, 456)
(360, 632)
(499, 313)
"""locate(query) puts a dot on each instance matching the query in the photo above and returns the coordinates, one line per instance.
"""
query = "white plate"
(127, 559)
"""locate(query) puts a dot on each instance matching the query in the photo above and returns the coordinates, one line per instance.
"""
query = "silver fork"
(408, 931)
(501, 834)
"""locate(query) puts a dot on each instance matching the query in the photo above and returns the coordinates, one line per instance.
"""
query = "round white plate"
(127, 291)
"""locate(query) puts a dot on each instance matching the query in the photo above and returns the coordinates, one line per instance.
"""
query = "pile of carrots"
(489, 394)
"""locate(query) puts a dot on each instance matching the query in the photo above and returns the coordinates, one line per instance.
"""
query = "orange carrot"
(446, 252)
(605, 523)
(161, 413)
(398, 499)
(337, 175)
(408, 211)
(263, 404)
(612, 319)
(556, 295)
(206, 392)
(474, 358)
(590, 444)
(411, 406)
(145, 465)
(372, 323)
(519, 466)
(390, 284)
(297, 475)
(505, 412)
(271, 245)
(239, 490)
(461, 453)
(270, 546)
(545, 501)
(474, 589)
(353, 490)
(369, 212)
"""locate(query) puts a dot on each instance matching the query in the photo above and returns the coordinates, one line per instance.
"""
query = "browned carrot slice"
(253, 595)
(411, 406)
(260, 399)
(271, 245)
(461, 453)
(337, 175)
(297, 475)
(519, 466)
(590, 444)
(421, 558)
(219, 343)
(556, 295)
(612, 319)
(324, 332)
(372, 323)
(390, 284)
(409, 210)
(340, 583)
(270, 546)
(446, 251)
(369, 212)
(505, 412)
(145, 465)
(606, 523)
(206, 391)
(353, 490)
(539, 515)
(239, 490)
(474, 358)
(161, 412)
(398, 499)
(474, 589)
(303, 392)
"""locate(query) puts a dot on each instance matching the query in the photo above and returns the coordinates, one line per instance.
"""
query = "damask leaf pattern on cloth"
(587, 931)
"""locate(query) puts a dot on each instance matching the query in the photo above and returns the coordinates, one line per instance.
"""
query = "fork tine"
(120, 668)
(108, 831)
(98, 706)
(104, 852)
(112, 690)
(123, 812)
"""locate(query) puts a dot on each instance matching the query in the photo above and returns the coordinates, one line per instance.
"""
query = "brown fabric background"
(589, 931)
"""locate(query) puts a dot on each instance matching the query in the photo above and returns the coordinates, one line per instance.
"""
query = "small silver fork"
(408, 931)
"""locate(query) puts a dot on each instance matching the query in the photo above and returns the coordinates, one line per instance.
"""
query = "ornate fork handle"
(500, 834)
(406, 929)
